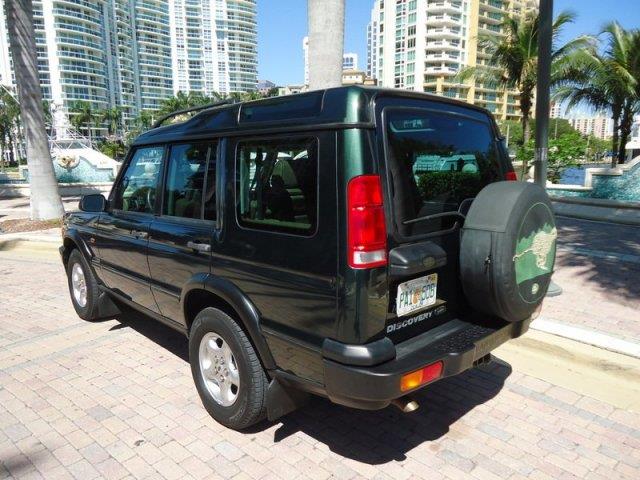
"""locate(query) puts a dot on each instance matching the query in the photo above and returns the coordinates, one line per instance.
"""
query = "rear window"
(437, 163)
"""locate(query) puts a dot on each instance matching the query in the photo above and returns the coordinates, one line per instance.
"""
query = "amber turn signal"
(409, 381)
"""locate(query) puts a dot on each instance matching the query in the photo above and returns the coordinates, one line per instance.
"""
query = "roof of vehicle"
(351, 106)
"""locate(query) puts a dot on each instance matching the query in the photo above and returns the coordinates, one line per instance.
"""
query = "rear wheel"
(226, 370)
(83, 287)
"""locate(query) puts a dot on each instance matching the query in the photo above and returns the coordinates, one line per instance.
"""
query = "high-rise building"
(134, 53)
(423, 44)
(349, 60)
(214, 45)
(555, 110)
(600, 127)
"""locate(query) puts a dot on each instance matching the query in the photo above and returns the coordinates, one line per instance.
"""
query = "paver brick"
(87, 399)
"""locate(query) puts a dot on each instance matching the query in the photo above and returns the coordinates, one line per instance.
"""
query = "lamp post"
(543, 97)
(545, 31)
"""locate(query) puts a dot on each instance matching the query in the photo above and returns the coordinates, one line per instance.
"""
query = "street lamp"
(543, 97)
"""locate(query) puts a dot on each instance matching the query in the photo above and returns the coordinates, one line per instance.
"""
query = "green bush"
(459, 185)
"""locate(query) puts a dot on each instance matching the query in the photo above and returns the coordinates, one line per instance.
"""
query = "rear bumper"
(459, 345)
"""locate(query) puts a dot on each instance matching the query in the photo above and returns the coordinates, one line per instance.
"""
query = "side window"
(277, 185)
(137, 189)
(185, 180)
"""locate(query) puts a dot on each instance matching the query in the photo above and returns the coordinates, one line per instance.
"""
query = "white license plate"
(416, 294)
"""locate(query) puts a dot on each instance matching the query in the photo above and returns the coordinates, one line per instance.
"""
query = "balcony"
(445, 6)
(441, 70)
(438, 57)
(444, 19)
(492, 5)
(444, 32)
(444, 45)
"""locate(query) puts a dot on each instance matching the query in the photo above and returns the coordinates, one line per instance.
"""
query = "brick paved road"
(598, 267)
(115, 400)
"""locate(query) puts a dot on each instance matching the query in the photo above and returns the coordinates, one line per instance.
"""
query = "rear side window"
(437, 163)
(277, 185)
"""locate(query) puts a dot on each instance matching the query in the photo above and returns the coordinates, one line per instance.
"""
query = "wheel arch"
(72, 241)
(204, 290)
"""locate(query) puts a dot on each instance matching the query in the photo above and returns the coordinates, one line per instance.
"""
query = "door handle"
(200, 247)
(139, 234)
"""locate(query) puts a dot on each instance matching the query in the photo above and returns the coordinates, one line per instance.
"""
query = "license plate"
(416, 294)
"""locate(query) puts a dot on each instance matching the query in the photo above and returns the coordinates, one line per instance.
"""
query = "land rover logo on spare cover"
(535, 252)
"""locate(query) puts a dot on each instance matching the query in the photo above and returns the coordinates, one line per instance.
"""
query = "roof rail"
(192, 109)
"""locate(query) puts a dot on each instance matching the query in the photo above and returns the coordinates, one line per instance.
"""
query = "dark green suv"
(352, 243)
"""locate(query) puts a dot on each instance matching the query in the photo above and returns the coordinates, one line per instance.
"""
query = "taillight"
(366, 228)
(511, 177)
(427, 374)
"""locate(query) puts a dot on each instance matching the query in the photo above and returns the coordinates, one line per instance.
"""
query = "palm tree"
(9, 125)
(82, 117)
(113, 118)
(514, 59)
(326, 42)
(606, 81)
(182, 100)
(45, 198)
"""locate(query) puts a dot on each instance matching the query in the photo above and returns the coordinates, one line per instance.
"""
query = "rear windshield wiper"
(435, 216)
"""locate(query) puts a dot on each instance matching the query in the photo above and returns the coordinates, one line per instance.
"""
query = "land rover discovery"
(353, 243)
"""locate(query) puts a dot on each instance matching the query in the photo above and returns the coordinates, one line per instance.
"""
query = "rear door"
(279, 241)
(180, 236)
(435, 158)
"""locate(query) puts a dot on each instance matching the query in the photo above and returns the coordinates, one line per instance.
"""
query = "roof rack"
(192, 109)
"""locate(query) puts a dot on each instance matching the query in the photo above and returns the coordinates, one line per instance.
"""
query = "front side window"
(136, 191)
(437, 162)
(277, 185)
(185, 186)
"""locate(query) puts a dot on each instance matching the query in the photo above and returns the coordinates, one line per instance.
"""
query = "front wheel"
(83, 287)
(226, 370)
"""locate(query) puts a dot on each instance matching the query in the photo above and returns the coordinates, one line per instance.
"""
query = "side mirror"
(93, 203)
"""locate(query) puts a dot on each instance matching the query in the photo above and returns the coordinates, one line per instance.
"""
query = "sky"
(282, 24)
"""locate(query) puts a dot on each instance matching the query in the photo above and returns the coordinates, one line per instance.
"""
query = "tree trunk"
(45, 198)
(615, 137)
(526, 134)
(626, 124)
(326, 43)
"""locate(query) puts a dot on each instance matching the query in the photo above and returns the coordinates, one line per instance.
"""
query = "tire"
(237, 408)
(85, 305)
(507, 250)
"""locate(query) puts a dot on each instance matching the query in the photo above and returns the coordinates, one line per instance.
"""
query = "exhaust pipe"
(406, 404)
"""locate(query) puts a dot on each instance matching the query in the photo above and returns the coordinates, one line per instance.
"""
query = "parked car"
(294, 243)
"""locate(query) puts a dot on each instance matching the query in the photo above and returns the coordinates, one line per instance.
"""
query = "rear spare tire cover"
(508, 249)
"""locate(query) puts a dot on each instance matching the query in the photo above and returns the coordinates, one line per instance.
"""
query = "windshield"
(436, 162)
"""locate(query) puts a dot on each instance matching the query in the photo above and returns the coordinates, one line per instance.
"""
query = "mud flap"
(282, 400)
(107, 308)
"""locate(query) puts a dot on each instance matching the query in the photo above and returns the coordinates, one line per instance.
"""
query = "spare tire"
(508, 249)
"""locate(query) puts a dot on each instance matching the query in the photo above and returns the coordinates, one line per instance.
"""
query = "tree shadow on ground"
(606, 255)
(373, 437)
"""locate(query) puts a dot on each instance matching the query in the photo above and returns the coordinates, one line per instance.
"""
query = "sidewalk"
(115, 399)
(598, 267)
(13, 208)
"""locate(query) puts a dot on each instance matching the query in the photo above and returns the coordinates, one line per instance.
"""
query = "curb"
(589, 337)
(24, 241)
(595, 211)
(26, 237)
